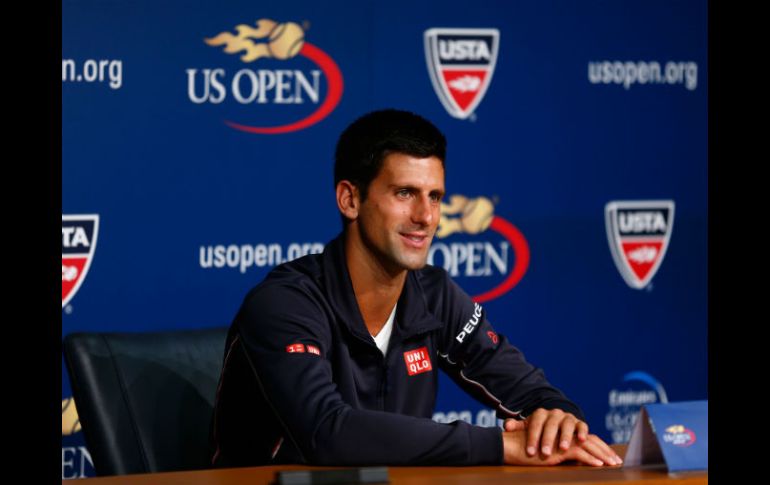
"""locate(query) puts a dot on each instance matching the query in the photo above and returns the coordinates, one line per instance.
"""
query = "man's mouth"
(417, 240)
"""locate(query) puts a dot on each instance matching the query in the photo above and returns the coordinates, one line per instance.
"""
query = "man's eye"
(403, 193)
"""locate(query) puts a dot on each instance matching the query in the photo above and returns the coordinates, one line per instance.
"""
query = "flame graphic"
(475, 215)
(279, 41)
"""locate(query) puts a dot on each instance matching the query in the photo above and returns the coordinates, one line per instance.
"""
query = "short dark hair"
(364, 144)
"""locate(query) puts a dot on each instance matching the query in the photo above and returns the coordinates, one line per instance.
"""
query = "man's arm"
(328, 431)
(488, 367)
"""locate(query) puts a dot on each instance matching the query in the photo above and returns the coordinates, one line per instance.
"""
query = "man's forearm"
(360, 437)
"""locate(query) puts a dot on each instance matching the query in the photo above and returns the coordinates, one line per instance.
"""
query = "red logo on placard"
(417, 361)
(295, 348)
(679, 435)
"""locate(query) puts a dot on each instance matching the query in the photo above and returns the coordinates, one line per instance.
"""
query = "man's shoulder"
(289, 303)
(435, 283)
(431, 276)
(441, 293)
(292, 280)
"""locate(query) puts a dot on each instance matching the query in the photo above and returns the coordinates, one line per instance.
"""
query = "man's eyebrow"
(414, 188)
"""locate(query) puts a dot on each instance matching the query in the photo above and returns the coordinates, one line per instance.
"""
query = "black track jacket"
(304, 382)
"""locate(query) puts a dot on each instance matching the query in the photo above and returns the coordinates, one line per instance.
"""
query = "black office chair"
(145, 400)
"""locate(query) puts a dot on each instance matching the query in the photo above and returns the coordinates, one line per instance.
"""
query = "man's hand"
(543, 426)
(585, 452)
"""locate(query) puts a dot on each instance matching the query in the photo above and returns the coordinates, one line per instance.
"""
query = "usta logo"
(462, 50)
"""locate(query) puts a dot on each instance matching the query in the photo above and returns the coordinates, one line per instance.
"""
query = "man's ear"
(348, 199)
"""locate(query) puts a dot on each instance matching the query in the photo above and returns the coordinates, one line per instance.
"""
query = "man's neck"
(376, 287)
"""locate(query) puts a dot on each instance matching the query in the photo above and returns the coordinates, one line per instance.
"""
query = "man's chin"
(414, 264)
(415, 267)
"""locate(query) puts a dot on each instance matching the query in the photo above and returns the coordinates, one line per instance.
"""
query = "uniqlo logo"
(295, 348)
(417, 361)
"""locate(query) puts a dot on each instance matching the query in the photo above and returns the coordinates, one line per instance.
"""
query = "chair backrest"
(145, 400)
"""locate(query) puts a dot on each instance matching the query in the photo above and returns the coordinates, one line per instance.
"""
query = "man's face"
(401, 211)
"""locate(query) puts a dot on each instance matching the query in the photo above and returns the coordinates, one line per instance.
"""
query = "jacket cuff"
(486, 446)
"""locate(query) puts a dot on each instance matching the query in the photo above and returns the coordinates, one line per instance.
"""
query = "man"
(333, 358)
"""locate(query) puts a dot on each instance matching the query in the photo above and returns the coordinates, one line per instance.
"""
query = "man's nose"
(422, 213)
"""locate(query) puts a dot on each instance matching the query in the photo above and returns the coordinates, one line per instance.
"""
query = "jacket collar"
(412, 315)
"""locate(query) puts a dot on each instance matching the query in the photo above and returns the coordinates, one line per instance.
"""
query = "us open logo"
(678, 435)
(478, 248)
(290, 75)
(638, 233)
(78, 242)
(461, 63)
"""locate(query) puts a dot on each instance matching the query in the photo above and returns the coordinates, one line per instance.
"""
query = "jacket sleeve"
(300, 389)
(486, 365)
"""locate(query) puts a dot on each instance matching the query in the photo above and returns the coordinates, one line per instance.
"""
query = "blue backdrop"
(190, 171)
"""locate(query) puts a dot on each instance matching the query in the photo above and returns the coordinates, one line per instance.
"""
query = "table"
(484, 475)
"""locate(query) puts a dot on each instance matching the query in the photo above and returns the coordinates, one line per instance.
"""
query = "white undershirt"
(383, 337)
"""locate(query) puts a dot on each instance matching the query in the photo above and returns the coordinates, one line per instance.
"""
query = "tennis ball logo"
(286, 40)
(475, 215)
(277, 41)
(70, 423)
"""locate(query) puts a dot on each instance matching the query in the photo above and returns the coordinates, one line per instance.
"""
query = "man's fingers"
(582, 430)
(514, 425)
(600, 450)
(550, 430)
(535, 426)
(612, 457)
(545, 426)
(583, 456)
(567, 432)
